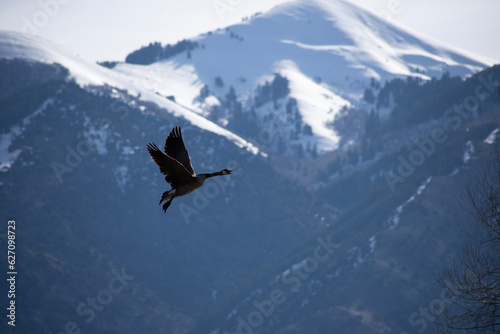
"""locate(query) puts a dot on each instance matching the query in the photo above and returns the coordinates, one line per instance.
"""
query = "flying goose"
(175, 164)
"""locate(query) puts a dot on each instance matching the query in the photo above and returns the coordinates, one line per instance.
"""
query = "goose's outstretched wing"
(175, 173)
(175, 148)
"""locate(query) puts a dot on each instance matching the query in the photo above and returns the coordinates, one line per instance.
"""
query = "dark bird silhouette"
(175, 164)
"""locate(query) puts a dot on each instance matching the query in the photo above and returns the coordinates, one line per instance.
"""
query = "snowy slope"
(329, 50)
(17, 45)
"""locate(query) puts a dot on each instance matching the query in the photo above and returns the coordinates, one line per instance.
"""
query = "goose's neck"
(207, 175)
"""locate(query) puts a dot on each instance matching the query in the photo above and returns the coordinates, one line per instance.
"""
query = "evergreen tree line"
(244, 121)
(155, 52)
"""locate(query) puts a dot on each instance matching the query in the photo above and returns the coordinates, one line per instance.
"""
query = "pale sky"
(109, 30)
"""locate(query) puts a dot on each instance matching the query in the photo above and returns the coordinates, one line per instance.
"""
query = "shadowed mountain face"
(300, 239)
(78, 180)
(253, 251)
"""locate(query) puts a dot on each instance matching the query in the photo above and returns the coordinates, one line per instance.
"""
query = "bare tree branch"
(472, 283)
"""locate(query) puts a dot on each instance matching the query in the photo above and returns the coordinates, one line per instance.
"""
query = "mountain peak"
(330, 52)
(366, 41)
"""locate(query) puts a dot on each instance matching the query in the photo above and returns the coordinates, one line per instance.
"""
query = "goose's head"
(226, 171)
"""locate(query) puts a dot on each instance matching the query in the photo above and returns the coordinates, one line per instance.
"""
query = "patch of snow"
(394, 219)
(7, 158)
(317, 105)
(297, 266)
(358, 255)
(167, 78)
(233, 312)
(97, 138)
(122, 176)
(127, 150)
(468, 151)
(454, 172)
(419, 190)
(372, 242)
(212, 101)
(492, 137)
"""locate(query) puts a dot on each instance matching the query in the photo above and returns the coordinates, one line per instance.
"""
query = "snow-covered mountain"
(85, 73)
(330, 52)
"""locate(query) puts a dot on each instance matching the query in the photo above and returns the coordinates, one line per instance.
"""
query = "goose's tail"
(167, 196)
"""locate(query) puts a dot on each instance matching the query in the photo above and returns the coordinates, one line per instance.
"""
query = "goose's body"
(175, 164)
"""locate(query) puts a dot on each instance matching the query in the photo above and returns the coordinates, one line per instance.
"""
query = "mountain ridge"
(16, 45)
(329, 50)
